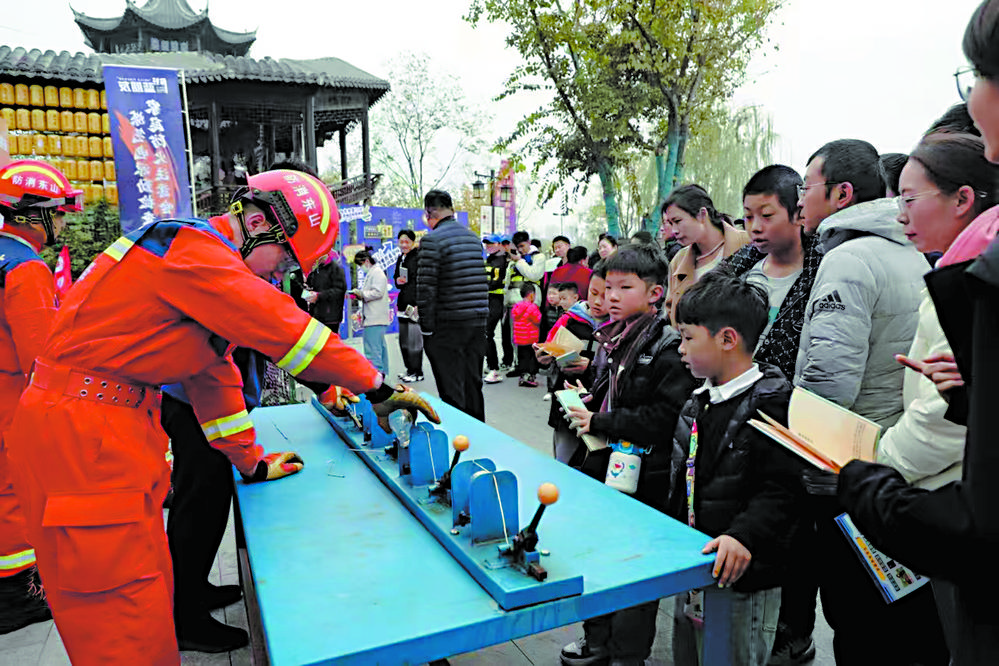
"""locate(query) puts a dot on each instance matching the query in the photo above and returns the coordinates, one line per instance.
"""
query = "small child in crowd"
(526, 324)
(730, 481)
(568, 294)
(582, 320)
(550, 311)
(639, 387)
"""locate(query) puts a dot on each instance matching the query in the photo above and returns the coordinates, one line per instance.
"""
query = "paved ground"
(519, 412)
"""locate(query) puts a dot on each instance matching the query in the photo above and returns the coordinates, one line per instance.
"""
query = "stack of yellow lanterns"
(67, 127)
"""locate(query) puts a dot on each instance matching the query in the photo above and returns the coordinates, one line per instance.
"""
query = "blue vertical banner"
(147, 128)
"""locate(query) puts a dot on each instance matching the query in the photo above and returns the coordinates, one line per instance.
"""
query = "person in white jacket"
(944, 186)
(373, 292)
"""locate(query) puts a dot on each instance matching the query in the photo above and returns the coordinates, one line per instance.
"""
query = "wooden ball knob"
(460, 443)
(548, 493)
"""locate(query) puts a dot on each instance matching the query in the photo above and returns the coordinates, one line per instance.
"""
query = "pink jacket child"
(526, 322)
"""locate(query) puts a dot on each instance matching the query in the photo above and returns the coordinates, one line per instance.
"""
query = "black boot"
(203, 633)
(21, 601)
(220, 596)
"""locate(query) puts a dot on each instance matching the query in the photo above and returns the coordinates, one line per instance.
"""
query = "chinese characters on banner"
(148, 132)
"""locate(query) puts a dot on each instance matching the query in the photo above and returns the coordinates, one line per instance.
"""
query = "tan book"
(822, 432)
(570, 398)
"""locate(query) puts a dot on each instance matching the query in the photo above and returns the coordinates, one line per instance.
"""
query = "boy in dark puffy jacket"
(638, 390)
(728, 480)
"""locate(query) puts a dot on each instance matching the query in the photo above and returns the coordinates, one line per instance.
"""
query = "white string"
(506, 536)
(433, 468)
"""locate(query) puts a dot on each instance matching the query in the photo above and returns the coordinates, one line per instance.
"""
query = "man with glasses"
(862, 310)
(452, 299)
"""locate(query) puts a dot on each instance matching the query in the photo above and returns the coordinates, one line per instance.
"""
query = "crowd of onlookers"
(849, 281)
(868, 280)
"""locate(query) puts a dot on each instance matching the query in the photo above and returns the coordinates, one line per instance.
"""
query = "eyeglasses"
(904, 203)
(803, 189)
(966, 78)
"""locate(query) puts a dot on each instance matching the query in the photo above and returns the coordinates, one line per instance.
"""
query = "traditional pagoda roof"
(198, 68)
(174, 18)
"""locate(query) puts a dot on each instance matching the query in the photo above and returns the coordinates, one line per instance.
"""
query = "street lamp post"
(478, 190)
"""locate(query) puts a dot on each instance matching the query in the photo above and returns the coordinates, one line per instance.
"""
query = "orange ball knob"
(460, 443)
(548, 493)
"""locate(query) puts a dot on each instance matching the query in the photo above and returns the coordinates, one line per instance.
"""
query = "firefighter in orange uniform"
(33, 199)
(162, 305)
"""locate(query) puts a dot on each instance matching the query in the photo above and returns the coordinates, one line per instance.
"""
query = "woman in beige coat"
(707, 239)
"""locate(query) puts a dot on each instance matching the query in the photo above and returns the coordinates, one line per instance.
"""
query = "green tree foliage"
(726, 151)
(693, 54)
(87, 234)
(580, 132)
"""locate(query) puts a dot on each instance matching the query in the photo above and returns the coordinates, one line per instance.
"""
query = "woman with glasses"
(952, 533)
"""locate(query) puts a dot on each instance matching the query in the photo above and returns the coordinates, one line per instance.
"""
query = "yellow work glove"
(336, 399)
(276, 465)
(403, 398)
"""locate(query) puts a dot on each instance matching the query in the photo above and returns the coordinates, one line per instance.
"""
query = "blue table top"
(344, 573)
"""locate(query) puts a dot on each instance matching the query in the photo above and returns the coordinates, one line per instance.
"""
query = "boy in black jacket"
(639, 387)
(728, 480)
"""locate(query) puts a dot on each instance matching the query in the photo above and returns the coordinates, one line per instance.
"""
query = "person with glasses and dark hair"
(452, 299)
(947, 532)
(863, 310)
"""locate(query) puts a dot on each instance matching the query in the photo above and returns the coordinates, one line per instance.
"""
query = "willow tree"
(727, 150)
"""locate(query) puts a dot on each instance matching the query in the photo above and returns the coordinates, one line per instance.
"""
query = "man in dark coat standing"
(452, 300)
(327, 285)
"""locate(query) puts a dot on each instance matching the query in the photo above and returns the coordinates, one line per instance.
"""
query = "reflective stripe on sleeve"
(16, 561)
(118, 248)
(227, 425)
(311, 342)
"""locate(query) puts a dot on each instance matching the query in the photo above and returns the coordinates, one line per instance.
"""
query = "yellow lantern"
(8, 115)
(79, 98)
(82, 146)
(93, 99)
(21, 95)
(7, 93)
(36, 95)
(94, 123)
(82, 170)
(109, 170)
(80, 122)
(94, 147)
(38, 120)
(54, 142)
(66, 98)
(52, 120)
(105, 123)
(23, 119)
(108, 146)
(69, 169)
(96, 170)
(111, 193)
(38, 145)
(51, 96)
(66, 123)
(104, 100)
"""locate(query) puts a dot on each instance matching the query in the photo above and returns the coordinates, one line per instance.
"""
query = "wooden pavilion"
(243, 112)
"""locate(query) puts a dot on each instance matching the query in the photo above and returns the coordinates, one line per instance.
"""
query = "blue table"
(340, 572)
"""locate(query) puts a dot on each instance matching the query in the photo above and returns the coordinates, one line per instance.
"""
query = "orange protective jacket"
(26, 311)
(167, 302)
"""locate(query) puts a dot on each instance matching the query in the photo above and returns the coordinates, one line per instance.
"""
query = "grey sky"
(880, 70)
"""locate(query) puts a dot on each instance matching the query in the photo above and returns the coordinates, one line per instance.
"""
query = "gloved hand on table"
(385, 400)
(336, 399)
(276, 465)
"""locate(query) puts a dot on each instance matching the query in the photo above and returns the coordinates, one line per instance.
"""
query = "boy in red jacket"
(526, 328)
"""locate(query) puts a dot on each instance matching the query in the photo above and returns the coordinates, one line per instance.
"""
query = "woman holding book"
(951, 533)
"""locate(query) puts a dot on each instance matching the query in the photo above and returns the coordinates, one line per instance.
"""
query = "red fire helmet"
(304, 208)
(28, 184)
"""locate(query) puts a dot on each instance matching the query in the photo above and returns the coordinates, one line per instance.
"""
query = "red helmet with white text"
(300, 206)
(31, 190)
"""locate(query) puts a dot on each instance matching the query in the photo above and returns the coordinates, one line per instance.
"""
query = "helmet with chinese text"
(30, 191)
(301, 207)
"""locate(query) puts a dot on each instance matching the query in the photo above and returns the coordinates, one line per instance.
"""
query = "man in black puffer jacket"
(452, 299)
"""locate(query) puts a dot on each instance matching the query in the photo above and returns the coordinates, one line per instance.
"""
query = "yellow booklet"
(564, 346)
(822, 432)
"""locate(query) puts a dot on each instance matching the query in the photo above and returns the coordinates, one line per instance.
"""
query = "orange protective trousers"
(92, 480)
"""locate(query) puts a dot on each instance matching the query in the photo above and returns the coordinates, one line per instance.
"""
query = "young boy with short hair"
(639, 387)
(526, 322)
(730, 481)
(568, 295)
